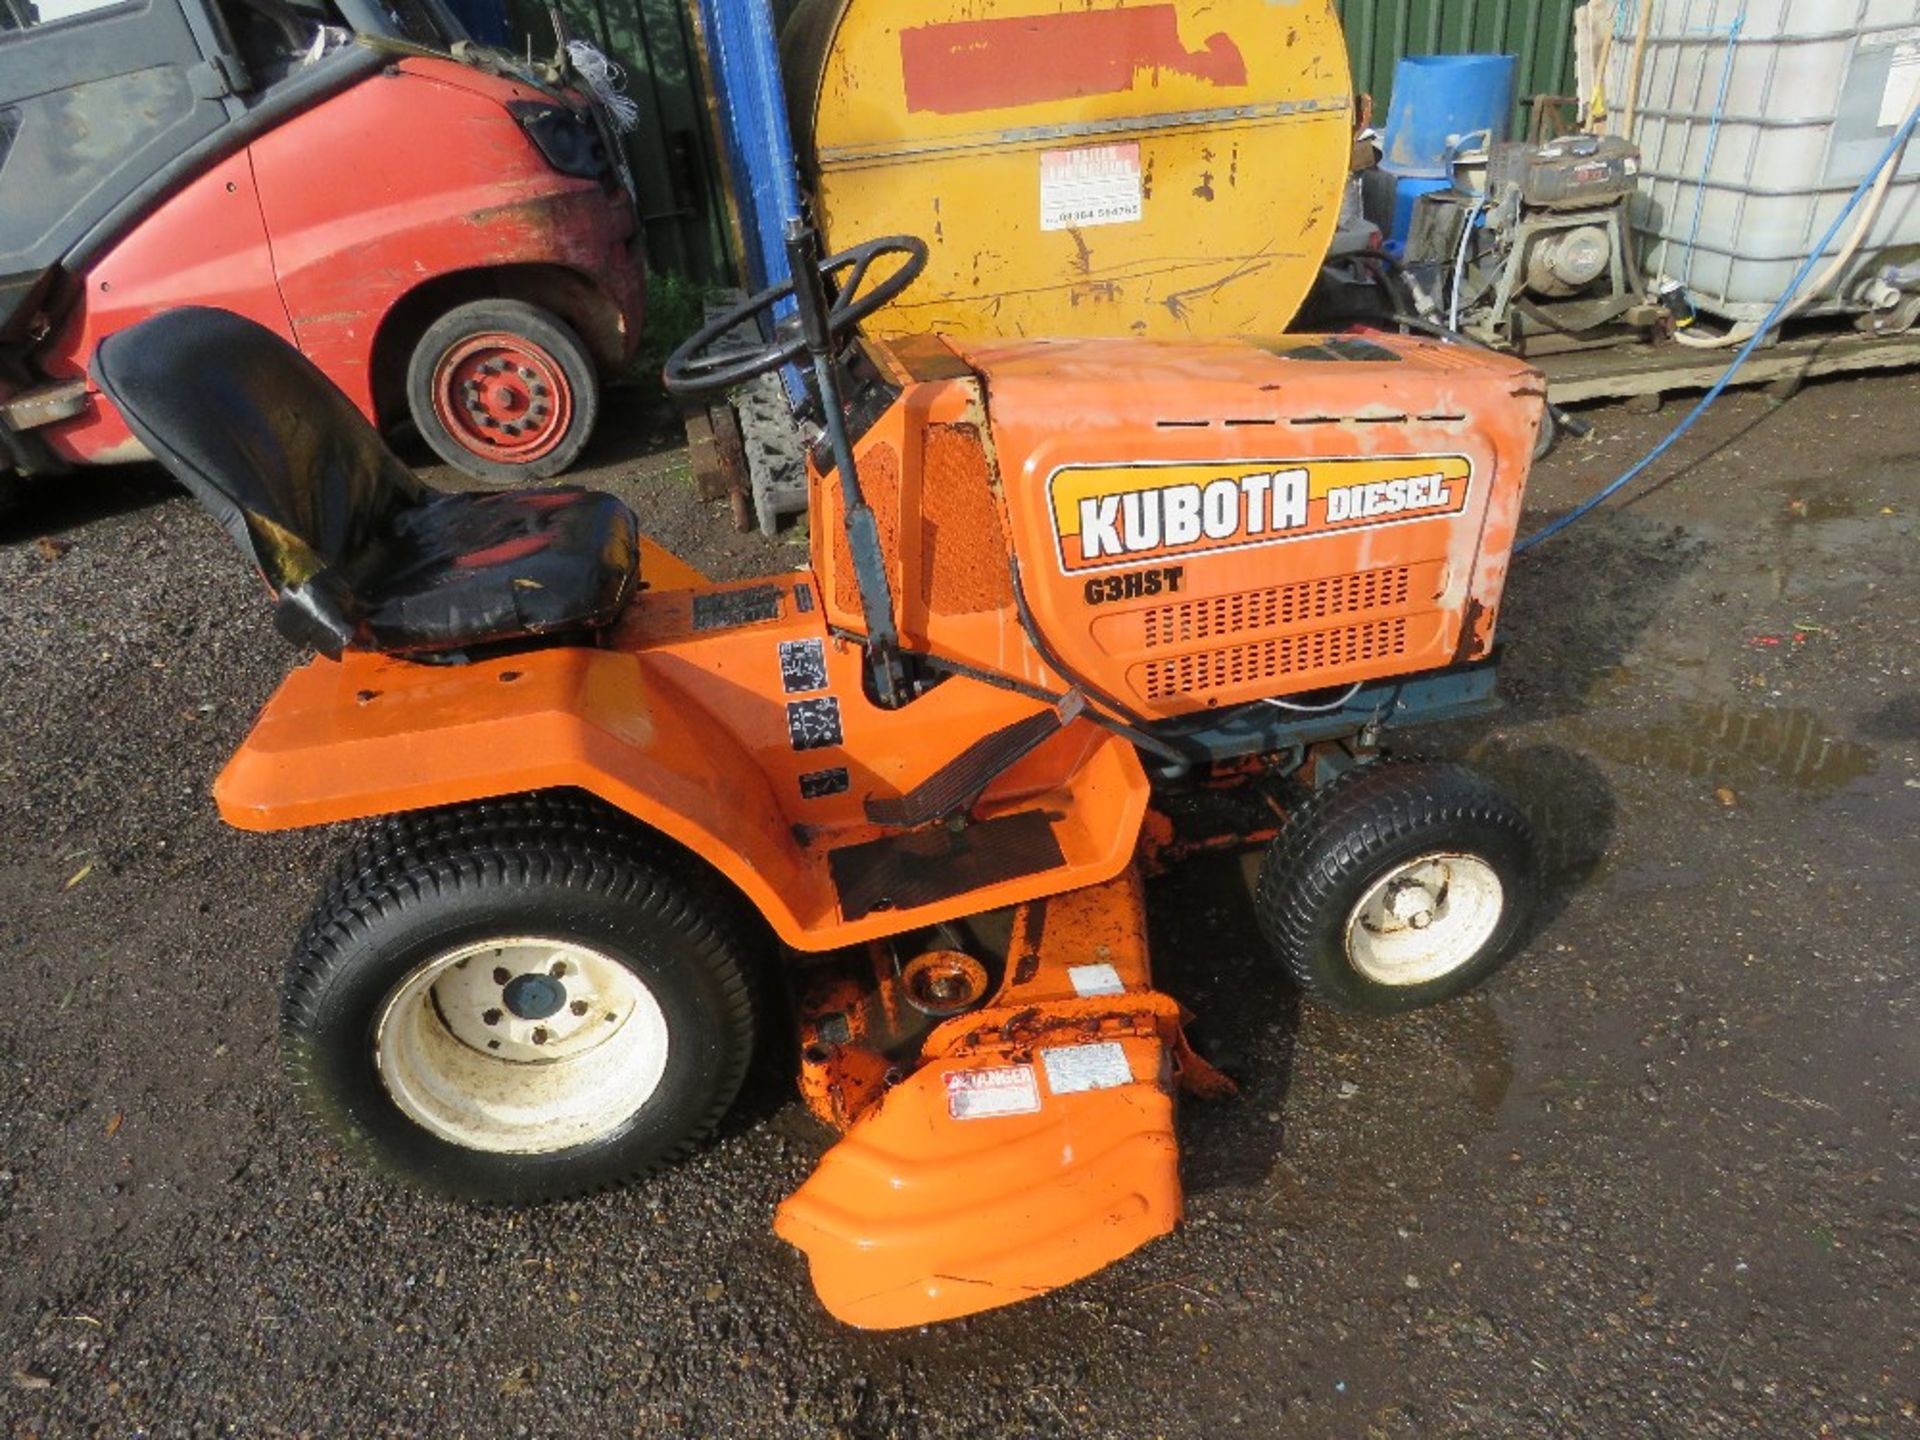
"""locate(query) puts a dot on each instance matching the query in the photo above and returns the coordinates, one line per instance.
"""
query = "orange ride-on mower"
(1065, 599)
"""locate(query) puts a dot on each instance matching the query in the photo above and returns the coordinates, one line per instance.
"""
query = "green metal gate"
(677, 170)
(1381, 32)
(676, 167)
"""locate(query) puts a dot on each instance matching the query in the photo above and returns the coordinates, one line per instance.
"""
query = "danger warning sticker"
(985, 1094)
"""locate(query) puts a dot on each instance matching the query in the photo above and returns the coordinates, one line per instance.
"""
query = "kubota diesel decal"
(1109, 516)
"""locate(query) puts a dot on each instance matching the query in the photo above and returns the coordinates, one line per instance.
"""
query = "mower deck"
(1003, 1152)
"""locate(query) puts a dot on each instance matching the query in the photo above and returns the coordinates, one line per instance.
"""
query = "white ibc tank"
(1752, 140)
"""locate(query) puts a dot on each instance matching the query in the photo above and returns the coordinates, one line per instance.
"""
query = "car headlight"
(569, 141)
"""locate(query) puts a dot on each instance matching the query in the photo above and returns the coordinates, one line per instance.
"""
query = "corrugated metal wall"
(1540, 32)
(675, 163)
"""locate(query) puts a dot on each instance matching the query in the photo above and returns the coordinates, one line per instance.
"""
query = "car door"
(95, 99)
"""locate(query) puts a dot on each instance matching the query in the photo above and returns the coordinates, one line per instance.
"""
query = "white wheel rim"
(521, 1046)
(1425, 919)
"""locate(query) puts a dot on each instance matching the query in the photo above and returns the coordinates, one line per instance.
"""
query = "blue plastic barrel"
(1407, 191)
(1439, 98)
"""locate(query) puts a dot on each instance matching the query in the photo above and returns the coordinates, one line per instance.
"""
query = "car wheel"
(503, 390)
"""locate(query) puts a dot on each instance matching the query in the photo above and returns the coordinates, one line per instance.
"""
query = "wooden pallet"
(1648, 373)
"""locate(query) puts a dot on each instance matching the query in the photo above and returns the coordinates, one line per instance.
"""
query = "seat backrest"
(285, 462)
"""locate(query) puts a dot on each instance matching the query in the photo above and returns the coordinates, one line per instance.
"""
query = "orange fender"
(367, 736)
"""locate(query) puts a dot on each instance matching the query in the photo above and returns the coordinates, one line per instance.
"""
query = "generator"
(1530, 249)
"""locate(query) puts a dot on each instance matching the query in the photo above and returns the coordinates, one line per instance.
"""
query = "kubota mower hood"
(1320, 511)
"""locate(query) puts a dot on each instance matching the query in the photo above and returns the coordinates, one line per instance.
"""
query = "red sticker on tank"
(966, 66)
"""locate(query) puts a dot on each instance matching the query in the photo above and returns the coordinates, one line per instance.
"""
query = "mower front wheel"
(1400, 886)
(519, 1001)
(503, 390)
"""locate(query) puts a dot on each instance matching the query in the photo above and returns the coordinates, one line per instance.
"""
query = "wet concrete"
(1657, 1179)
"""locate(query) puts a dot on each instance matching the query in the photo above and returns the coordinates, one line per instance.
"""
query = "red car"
(452, 240)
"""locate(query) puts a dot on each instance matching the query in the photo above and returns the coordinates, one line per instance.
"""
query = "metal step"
(924, 867)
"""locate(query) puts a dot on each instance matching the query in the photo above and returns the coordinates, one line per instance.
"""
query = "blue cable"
(1893, 149)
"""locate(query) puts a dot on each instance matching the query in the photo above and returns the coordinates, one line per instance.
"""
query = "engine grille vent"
(1450, 357)
(1282, 657)
(1279, 607)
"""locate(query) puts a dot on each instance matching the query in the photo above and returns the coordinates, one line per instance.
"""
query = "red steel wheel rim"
(503, 397)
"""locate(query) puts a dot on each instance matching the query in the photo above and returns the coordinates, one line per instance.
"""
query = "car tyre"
(503, 390)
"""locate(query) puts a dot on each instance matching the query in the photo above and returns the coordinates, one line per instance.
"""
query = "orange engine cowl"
(1203, 525)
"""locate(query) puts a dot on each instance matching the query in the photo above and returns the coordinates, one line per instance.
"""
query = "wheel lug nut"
(579, 1007)
(559, 969)
(492, 1017)
(540, 1036)
(501, 975)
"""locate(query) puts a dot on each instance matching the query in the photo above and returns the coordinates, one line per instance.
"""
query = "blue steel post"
(744, 56)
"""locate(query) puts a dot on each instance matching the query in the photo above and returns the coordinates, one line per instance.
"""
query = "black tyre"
(520, 1001)
(503, 390)
(1548, 440)
(1397, 887)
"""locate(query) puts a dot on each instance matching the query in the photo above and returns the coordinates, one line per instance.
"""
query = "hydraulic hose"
(1876, 180)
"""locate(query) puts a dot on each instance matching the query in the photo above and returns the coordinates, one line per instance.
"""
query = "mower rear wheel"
(519, 1001)
(504, 390)
(1397, 887)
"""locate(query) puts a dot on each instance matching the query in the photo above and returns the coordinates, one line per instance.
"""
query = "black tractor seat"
(359, 553)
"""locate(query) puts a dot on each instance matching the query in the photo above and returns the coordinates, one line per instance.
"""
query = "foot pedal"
(924, 867)
(955, 786)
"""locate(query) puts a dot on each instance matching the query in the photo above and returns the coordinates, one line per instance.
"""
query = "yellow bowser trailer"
(1080, 167)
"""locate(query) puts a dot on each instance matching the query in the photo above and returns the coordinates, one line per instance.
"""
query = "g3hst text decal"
(1105, 517)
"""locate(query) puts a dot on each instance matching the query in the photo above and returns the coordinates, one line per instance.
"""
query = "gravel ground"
(1657, 1179)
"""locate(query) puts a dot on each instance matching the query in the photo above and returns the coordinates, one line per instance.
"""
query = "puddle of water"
(1793, 748)
(1823, 507)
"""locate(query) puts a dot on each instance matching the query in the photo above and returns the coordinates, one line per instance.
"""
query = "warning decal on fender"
(1109, 516)
(984, 1094)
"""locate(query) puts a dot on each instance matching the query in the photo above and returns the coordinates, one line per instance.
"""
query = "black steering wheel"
(697, 367)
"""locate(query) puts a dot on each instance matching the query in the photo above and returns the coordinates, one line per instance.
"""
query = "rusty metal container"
(1080, 167)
